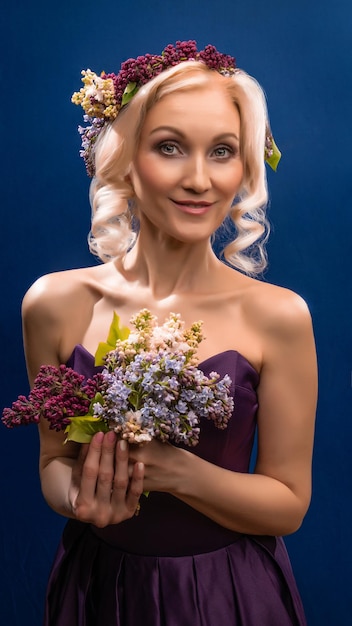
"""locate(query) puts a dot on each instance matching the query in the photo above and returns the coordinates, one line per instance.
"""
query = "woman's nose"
(197, 175)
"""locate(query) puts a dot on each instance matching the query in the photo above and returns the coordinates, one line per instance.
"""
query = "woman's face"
(188, 167)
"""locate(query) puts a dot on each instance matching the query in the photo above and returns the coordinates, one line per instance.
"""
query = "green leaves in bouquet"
(82, 429)
(115, 333)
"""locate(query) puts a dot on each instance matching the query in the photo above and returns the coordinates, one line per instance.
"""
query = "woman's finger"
(135, 488)
(106, 469)
(90, 468)
(120, 479)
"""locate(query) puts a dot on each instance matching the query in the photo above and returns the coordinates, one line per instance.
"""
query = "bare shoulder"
(55, 310)
(49, 292)
(282, 323)
(277, 310)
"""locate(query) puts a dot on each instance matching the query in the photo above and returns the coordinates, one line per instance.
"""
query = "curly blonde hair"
(112, 231)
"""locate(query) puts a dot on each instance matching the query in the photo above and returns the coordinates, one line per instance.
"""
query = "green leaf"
(273, 161)
(130, 88)
(97, 398)
(133, 399)
(102, 350)
(115, 333)
(129, 92)
(82, 429)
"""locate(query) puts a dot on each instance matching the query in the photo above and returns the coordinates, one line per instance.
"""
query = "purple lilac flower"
(160, 405)
(58, 394)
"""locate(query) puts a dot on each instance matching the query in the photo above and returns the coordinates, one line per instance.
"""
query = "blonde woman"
(176, 147)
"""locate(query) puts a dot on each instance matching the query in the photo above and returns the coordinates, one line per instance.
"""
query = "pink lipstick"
(192, 207)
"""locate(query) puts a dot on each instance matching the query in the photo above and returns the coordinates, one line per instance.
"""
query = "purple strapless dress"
(172, 566)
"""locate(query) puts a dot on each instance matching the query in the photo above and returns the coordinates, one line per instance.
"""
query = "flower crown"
(102, 97)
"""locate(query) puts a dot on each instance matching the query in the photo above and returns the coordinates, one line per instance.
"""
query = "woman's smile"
(193, 208)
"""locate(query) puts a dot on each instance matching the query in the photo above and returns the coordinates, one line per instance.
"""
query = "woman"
(204, 549)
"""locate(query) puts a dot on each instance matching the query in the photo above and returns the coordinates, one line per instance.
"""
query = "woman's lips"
(194, 208)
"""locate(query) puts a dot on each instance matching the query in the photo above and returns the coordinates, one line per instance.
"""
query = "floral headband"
(102, 97)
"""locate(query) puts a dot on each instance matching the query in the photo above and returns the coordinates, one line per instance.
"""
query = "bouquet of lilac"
(149, 386)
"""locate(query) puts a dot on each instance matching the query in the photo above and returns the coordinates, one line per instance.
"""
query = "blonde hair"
(111, 193)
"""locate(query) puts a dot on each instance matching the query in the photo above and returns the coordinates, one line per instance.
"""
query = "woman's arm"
(90, 482)
(275, 498)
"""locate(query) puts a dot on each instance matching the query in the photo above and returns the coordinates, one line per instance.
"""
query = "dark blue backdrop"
(301, 53)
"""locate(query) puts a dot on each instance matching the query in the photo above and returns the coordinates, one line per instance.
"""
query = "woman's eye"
(170, 149)
(223, 152)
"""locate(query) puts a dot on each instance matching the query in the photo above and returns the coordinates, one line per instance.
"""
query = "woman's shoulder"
(55, 311)
(63, 286)
(276, 309)
(61, 299)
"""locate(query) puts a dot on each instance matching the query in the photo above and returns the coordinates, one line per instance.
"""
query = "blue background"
(301, 53)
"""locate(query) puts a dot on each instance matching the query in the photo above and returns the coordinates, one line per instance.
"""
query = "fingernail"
(99, 437)
(111, 436)
(123, 445)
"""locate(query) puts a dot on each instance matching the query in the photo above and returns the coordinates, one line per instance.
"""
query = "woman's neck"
(166, 266)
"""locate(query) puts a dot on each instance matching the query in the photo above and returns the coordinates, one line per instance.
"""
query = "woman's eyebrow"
(179, 132)
(171, 129)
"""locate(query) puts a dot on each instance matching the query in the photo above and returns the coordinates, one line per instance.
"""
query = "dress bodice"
(157, 529)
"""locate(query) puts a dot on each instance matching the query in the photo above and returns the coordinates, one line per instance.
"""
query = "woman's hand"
(105, 487)
(162, 465)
